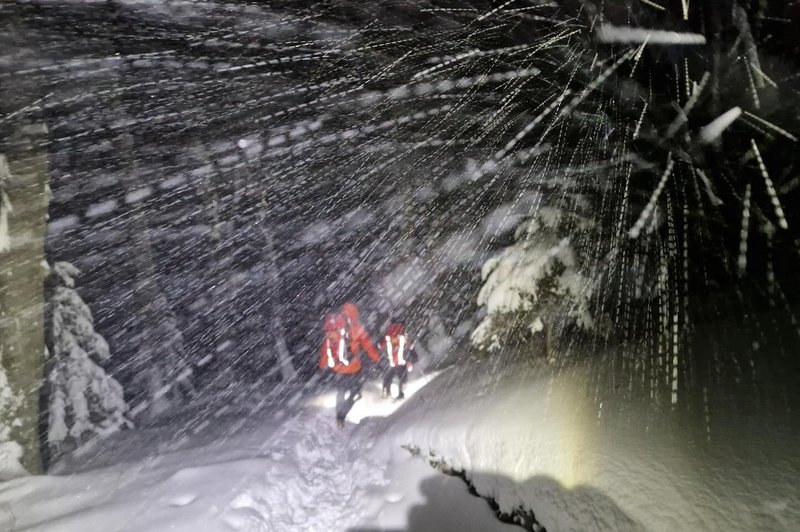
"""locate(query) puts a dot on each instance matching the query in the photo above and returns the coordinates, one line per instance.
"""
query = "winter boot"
(385, 393)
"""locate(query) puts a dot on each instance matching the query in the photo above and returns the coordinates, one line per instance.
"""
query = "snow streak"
(609, 34)
(651, 204)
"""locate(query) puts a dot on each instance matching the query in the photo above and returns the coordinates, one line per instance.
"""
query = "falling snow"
(612, 187)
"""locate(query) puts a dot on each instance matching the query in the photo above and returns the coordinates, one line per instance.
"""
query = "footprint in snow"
(183, 500)
(247, 514)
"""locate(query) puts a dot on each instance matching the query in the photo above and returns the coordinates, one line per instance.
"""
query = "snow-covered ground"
(301, 473)
(529, 436)
(536, 437)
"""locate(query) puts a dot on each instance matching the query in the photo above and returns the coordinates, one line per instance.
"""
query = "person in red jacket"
(359, 339)
(400, 354)
(333, 354)
(345, 338)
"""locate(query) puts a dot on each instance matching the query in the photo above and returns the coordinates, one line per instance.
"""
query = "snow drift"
(541, 441)
(526, 436)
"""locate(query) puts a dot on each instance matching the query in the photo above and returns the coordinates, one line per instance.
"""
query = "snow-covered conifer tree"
(84, 399)
(536, 283)
(10, 450)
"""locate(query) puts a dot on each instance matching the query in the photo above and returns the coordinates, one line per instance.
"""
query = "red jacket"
(333, 353)
(397, 345)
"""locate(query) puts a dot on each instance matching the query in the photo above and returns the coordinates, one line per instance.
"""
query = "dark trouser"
(401, 372)
(348, 390)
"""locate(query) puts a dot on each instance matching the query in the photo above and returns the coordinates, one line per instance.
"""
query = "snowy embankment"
(534, 437)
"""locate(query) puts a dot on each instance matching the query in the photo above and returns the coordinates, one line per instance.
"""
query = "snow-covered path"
(314, 480)
(528, 436)
(299, 474)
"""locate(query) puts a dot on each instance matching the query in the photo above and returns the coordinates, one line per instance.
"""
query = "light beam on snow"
(610, 34)
(371, 403)
(714, 129)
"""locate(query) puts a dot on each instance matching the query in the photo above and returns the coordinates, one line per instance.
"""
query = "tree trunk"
(218, 270)
(273, 272)
(22, 275)
(284, 356)
(162, 371)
